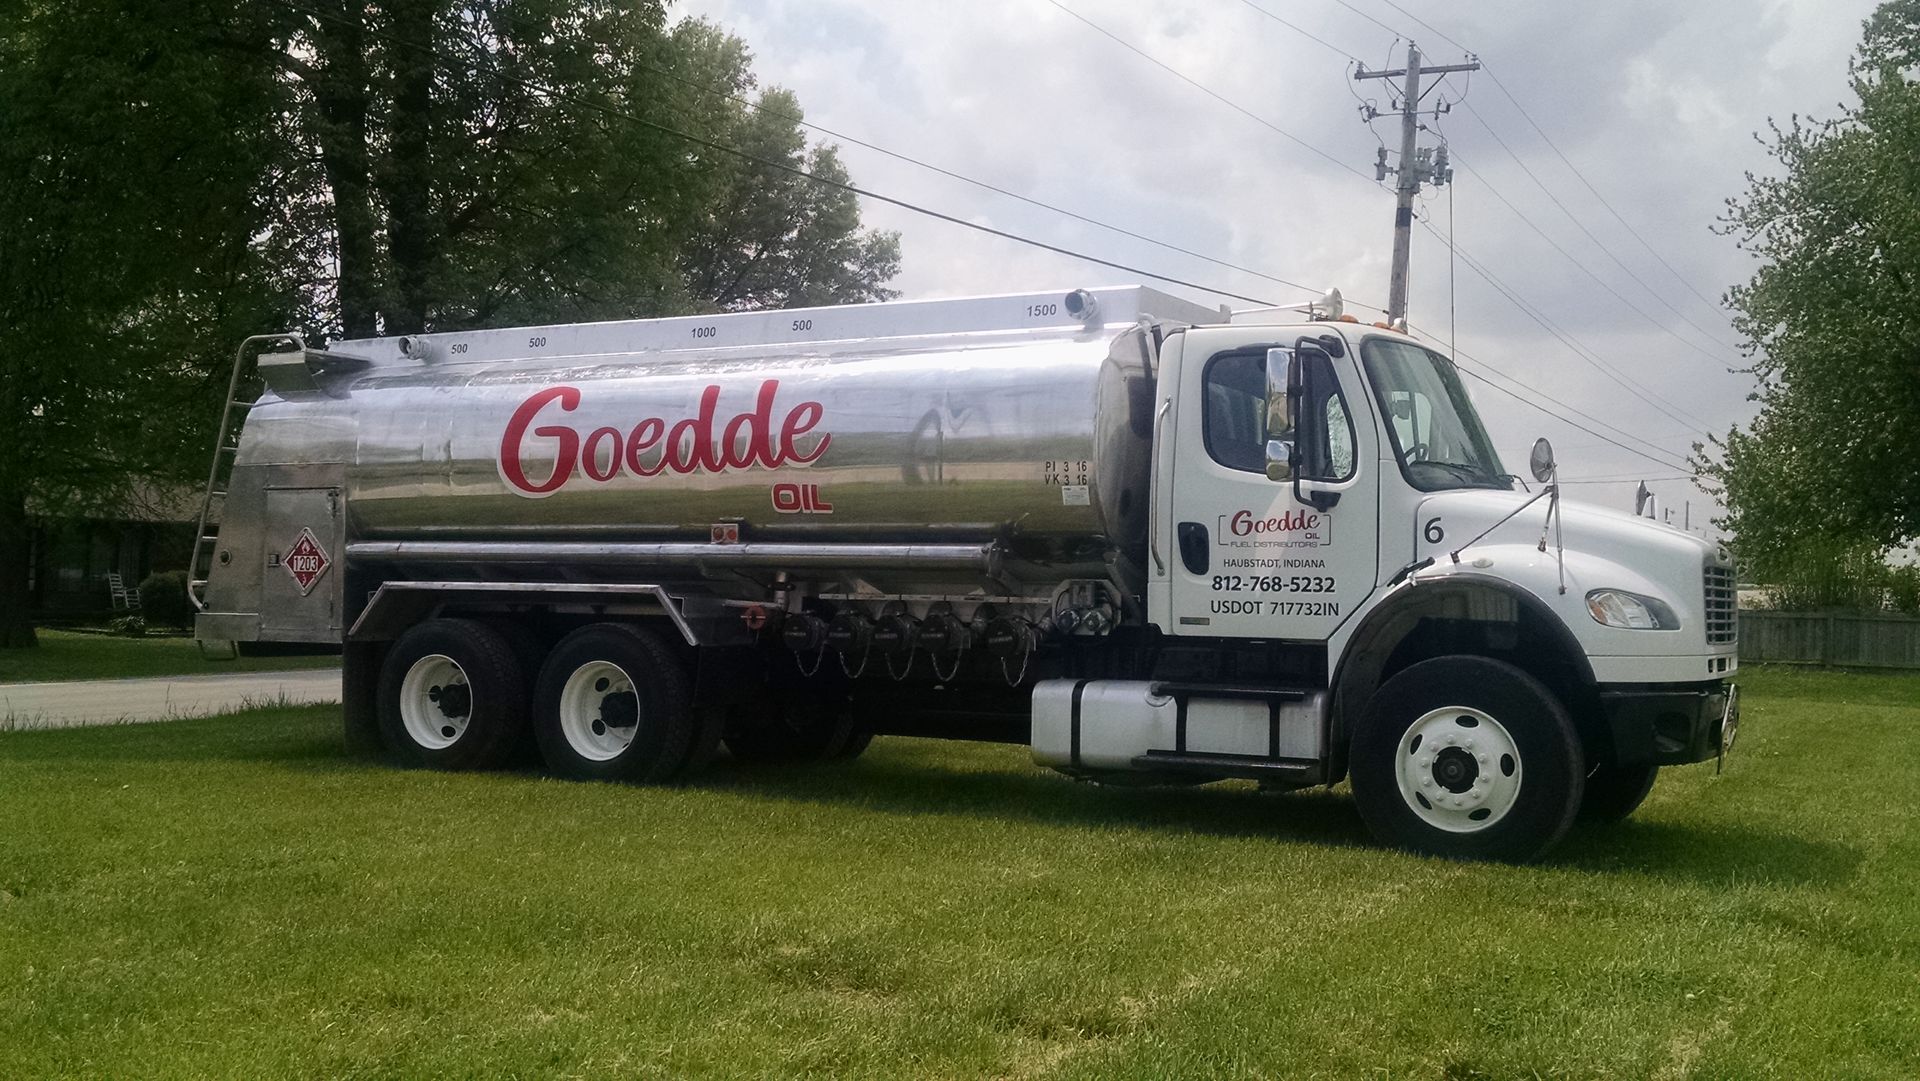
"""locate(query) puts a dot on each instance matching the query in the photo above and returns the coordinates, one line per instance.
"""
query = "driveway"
(160, 698)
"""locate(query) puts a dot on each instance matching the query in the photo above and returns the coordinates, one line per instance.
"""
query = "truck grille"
(1723, 616)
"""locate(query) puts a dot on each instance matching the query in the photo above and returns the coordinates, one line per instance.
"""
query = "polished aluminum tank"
(1023, 421)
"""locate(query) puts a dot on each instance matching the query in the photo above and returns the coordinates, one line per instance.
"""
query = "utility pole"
(1416, 165)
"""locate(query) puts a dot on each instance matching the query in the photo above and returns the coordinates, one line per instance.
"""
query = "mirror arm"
(1296, 388)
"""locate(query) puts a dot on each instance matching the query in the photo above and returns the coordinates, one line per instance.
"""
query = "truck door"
(1256, 557)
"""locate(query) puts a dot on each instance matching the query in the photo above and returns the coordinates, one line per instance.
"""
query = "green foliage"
(129, 626)
(163, 599)
(138, 194)
(178, 174)
(1833, 318)
(1903, 589)
(556, 160)
(1826, 573)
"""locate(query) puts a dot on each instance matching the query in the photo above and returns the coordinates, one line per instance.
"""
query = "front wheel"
(1469, 758)
(1614, 792)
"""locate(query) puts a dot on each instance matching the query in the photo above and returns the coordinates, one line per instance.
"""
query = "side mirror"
(1279, 460)
(1283, 376)
(1541, 460)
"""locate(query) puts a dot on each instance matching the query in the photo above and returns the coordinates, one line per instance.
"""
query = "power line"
(1541, 132)
(1577, 411)
(1601, 199)
(1623, 480)
(1571, 423)
(793, 170)
(965, 179)
(1580, 350)
(1210, 92)
(1583, 268)
(1579, 176)
(1639, 390)
(1369, 18)
(904, 204)
(1301, 30)
(1424, 25)
(1588, 233)
(1471, 265)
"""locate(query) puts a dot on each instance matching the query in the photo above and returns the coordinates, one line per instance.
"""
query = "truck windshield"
(1436, 433)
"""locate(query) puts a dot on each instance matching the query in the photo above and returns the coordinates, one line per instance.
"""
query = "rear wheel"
(612, 703)
(452, 696)
(1614, 792)
(1469, 758)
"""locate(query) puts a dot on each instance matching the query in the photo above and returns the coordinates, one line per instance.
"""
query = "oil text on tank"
(655, 445)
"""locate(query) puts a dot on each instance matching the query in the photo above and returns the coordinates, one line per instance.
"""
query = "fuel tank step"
(1300, 771)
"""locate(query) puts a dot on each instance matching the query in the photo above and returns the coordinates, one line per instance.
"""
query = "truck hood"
(1605, 549)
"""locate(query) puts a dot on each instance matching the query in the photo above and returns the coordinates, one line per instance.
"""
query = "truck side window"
(1235, 423)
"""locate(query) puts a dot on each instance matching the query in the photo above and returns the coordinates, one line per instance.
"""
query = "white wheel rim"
(436, 702)
(599, 712)
(1458, 769)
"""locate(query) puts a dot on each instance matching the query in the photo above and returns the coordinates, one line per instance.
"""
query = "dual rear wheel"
(610, 701)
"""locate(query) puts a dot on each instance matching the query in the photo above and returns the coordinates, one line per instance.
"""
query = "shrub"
(1903, 589)
(163, 599)
(1820, 573)
(130, 626)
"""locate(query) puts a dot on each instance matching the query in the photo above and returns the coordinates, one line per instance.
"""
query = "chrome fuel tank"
(1037, 440)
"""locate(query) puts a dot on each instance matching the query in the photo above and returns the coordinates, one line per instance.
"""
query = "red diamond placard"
(306, 561)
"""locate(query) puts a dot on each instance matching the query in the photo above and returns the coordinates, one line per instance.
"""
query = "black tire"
(477, 728)
(530, 648)
(1614, 792)
(709, 728)
(658, 706)
(859, 738)
(794, 725)
(1523, 817)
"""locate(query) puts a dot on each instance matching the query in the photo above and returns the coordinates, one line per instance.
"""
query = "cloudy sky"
(1654, 103)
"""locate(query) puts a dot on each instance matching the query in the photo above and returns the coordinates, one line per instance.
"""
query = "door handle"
(1193, 547)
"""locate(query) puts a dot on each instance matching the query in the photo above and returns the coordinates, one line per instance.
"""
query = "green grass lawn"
(234, 898)
(65, 655)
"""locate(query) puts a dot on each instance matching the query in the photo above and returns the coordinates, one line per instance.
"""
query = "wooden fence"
(1839, 638)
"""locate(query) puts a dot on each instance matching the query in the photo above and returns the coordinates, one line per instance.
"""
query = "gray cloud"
(1655, 103)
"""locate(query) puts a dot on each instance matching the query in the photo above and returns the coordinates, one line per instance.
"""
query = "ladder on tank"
(243, 389)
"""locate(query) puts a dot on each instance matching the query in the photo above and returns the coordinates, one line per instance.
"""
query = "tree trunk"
(341, 90)
(16, 565)
(408, 173)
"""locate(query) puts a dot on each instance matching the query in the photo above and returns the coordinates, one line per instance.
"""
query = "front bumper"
(1670, 724)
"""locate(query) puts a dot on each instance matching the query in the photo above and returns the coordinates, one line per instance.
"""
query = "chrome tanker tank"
(1022, 423)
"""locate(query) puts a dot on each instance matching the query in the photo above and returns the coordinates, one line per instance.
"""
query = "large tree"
(507, 161)
(136, 188)
(1832, 462)
(178, 174)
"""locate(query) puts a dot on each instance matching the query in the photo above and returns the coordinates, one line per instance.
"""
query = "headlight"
(1618, 608)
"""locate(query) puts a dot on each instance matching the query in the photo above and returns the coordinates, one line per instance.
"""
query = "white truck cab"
(1497, 661)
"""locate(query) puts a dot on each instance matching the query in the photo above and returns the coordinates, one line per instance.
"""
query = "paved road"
(164, 698)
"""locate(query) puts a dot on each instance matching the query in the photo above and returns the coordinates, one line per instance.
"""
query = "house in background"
(152, 530)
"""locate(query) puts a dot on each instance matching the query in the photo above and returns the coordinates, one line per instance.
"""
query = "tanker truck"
(1156, 542)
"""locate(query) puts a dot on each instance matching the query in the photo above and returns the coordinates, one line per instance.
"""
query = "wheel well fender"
(1458, 614)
